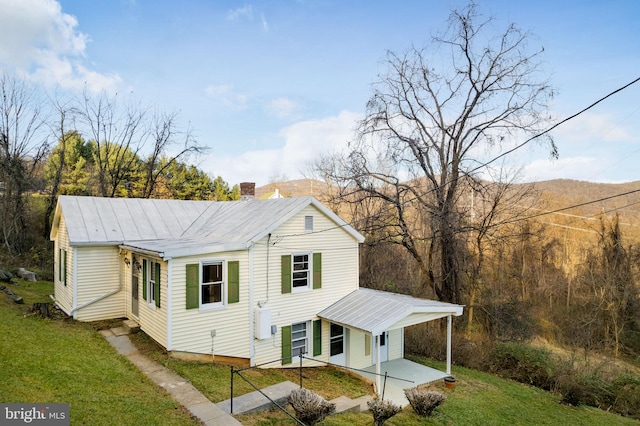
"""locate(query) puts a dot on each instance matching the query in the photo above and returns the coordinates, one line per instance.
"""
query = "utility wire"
(571, 117)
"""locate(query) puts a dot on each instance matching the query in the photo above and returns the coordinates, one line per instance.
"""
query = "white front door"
(384, 347)
(336, 345)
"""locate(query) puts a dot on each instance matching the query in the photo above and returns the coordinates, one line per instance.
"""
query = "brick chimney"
(247, 190)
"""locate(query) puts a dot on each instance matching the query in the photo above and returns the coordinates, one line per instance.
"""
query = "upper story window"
(308, 224)
(301, 271)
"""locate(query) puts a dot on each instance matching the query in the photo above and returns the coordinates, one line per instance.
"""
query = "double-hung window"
(151, 279)
(301, 271)
(299, 339)
(212, 285)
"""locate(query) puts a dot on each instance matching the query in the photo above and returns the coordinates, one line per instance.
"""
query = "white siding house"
(249, 282)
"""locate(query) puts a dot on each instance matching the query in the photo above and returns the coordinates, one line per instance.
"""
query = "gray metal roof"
(176, 228)
(375, 311)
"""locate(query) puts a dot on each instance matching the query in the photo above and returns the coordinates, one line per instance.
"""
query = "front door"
(336, 345)
(134, 289)
(384, 351)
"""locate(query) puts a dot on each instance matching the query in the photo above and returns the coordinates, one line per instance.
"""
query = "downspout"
(252, 348)
(97, 299)
(169, 306)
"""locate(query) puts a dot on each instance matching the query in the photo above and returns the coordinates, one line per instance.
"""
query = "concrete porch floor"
(411, 373)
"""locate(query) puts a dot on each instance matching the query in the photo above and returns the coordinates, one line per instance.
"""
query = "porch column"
(378, 389)
(449, 344)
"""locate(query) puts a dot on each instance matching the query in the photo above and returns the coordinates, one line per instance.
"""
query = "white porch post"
(378, 390)
(449, 344)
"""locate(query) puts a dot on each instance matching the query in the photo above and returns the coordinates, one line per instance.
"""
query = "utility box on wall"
(262, 323)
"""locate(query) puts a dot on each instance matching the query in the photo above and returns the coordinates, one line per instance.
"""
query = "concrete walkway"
(180, 389)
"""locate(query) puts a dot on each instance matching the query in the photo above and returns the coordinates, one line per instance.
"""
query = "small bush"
(382, 410)
(310, 408)
(524, 364)
(626, 392)
(423, 403)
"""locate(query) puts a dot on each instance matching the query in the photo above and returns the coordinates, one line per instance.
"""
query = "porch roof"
(375, 311)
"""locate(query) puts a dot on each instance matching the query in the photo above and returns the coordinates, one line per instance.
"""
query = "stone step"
(130, 326)
(346, 405)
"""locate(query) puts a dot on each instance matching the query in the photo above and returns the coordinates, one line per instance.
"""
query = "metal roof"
(375, 311)
(174, 228)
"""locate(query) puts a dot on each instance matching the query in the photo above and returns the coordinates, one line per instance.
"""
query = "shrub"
(626, 393)
(423, 403)
(524, 364)
(382, 410)
(310, 408)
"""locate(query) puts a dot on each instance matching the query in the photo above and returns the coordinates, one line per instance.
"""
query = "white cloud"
(226, 95)
(265, 24)
(245, 11)
(588, 127)
(579, 168)
(303, 142)
(42, 41)
(283, 107)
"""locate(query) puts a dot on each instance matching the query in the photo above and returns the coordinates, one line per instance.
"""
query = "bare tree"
(22, 147)
(429, 119)
(117, 132)
(164, 132)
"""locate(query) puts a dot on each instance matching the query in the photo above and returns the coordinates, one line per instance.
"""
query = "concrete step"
(346, 405)
(131, 326)
(255, 401)
(362, 402)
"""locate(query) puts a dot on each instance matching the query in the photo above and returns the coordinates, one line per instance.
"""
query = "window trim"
(225, 282)
(309, 270)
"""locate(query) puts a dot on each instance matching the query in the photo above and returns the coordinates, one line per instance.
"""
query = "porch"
(402, 374)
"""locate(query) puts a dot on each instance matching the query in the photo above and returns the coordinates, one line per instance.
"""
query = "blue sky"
(269, 86)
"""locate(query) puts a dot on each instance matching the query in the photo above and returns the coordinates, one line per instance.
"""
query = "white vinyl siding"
(191, 328)
(152, 320)
(99, 269)
(394, 344)
(64, 293)
(339, 277)
(358, 356)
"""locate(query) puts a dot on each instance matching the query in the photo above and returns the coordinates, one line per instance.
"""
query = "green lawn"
(56, 361)
(49, 361)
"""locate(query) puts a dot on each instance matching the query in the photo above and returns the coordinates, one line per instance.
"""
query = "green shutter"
(317, 270)
(286, 345)
(144, 279)
(286, 274)
(233, 286)
(317, 337)
(157, 285)
(193, 284)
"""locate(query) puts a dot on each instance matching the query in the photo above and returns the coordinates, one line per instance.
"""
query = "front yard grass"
(213, 379)
(63, 361)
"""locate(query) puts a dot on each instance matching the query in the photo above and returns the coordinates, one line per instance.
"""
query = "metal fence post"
(232, 373)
